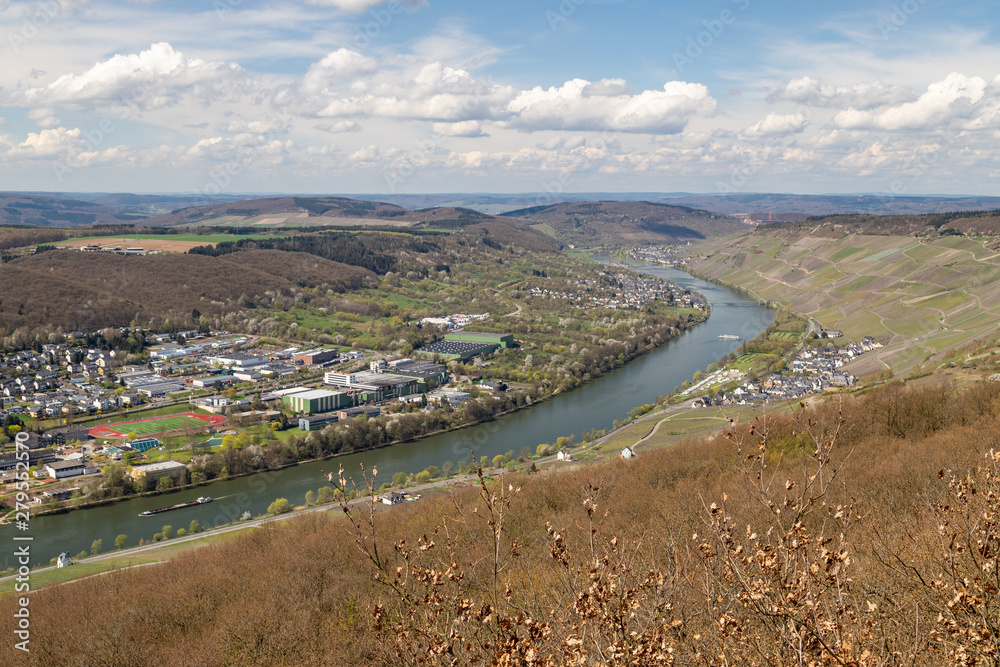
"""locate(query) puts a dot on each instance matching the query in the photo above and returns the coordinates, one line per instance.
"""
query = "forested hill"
(72, 290)
(617, 222)
(301, 207)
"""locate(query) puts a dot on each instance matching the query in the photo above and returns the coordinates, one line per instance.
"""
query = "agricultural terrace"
(922, 298)
(154, 425)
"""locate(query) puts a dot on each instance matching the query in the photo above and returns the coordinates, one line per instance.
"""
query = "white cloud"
(366, 154)
(778, 125)
(433, 91)
(335, 67)
(364, 5)
(155, 78)
(582, 105)
(464, 128)
(49, 143)
(44, 117)
(258, 126)
(339, 126)
(813, 92)
(954, 97)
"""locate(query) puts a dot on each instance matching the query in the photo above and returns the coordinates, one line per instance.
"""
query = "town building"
(317, 422)
(317, 356)
(143, 445)
(64, 469)
(375, 387)
(151, 472)
(316, 401)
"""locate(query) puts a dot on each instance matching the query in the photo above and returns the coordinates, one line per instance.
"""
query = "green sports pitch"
(156, 425)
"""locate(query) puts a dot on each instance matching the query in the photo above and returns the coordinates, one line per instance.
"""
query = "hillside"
(687, 555)
(921, 296)
(87, 291)
(948, 223)
(279, 210)
(321, 282)
(37, 210)
(616, 222)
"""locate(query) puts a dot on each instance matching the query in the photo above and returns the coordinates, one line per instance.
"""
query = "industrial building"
(452, 398)
(375, 387)
(422, 370)
(501, 340)
(317, 356)
(456, 349)
(316, 422)
(237, 359)
(316, 401)
(154, 471)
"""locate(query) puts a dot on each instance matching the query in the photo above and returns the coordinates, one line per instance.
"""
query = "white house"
(63, 559)
(564, 455)
(627, 453)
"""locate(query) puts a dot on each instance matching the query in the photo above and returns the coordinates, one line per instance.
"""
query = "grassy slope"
(921, 297)
(303, 589)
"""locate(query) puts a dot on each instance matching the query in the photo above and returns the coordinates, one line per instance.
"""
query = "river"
(594, 405)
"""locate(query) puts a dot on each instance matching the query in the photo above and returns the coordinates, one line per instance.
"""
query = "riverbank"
(533, 399)
(589, 407)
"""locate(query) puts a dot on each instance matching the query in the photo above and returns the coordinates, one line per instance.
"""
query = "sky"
(423, 96)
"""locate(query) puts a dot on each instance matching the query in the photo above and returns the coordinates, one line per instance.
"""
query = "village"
(627, 292)
(811, 371)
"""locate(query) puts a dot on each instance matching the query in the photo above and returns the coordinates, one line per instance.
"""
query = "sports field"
(156, 425)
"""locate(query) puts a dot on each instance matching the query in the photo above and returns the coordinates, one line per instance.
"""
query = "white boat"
(729, 337)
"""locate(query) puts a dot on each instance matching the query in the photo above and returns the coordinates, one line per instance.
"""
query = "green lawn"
(159, 425)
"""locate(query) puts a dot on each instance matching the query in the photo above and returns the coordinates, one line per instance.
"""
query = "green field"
(165, 424)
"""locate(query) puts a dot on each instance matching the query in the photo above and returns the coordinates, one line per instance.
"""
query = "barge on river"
(199, 501)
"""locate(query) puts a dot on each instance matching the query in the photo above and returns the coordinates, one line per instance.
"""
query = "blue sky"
(344, 96)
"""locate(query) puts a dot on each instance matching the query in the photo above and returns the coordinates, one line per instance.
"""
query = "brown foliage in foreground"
(859, 533)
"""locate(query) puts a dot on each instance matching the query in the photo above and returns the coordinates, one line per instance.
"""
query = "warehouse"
(456, 349)
(317, 356)
(316, 401)
(146, 474)
(422, 370)
(375, 387)
(501, 340)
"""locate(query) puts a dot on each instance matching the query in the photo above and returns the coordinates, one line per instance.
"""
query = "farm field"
(153, 425)
(920, 297)
(157, 242)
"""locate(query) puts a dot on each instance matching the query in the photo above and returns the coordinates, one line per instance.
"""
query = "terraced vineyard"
(921, 297)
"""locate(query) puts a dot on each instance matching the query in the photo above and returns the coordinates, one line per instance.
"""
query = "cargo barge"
(199, 501)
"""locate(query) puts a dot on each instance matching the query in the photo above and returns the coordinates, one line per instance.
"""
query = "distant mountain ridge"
(616, 222)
